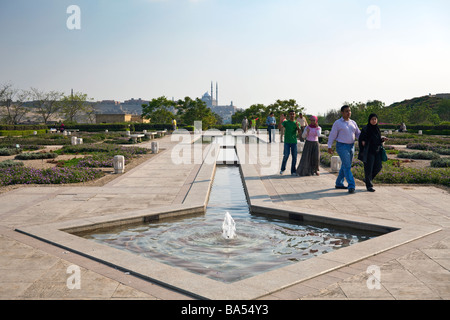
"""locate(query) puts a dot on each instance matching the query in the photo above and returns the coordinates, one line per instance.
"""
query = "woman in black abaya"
(370, 143)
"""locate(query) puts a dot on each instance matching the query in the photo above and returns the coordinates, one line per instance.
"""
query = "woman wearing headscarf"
(309, 164)
(370, 143)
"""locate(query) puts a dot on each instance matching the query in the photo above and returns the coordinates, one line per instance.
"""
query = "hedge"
(35, 156)
(11, 133)
(86, 127)
(23, 127)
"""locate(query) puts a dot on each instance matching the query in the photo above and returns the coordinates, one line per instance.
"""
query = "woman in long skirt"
(309, 164)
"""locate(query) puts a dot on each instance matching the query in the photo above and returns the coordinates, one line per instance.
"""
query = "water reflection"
(196, 243)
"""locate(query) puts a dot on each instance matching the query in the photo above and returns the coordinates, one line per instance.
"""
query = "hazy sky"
(321, 53)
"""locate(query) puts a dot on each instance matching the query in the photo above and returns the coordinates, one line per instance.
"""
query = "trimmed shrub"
(10, 163)
(438, 148)
(426, 155)
(25, 175)
(395, 175)
(34, 156)
(441, 163)
(9, 151)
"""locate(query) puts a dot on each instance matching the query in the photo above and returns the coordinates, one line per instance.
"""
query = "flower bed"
(10, 163)
(34, 156)
(438, 148)
(426, 155)
(395, 175)
(9, 151)
(100, 156)
(91, 162)
(110, 150)
(24, 175)
(441, 163)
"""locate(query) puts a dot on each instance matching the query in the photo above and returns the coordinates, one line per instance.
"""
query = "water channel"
(195, 242)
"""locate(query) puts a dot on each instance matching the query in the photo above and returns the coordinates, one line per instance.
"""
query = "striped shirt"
(343, 132)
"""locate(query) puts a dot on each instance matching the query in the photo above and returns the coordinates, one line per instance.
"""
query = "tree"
(75, 104)
(399, 114)
(47, 104)
(12, 103)
(254, 111)
(283, 106)
(443, 110)
(332, 115)
(195, 110)
(158, 110)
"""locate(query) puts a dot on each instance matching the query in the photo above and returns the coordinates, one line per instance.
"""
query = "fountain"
(228, 227)
(194, 242)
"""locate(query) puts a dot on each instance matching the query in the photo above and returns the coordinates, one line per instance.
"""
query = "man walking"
(344, 132)
(291, 127)
(271, 122)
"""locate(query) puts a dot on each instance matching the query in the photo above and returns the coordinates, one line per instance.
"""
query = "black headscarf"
(373, 131)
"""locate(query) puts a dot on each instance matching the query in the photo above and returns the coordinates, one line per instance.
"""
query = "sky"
(321, 53)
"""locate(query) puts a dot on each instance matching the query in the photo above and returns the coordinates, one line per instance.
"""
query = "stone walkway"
(32, 269)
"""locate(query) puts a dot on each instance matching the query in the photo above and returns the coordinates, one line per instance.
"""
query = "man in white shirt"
(303, 124)
(344, 132)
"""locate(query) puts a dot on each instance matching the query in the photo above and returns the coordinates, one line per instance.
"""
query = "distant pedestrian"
(280, 126)
(271, 123)
(291, 127)
(403, 128)
(245, 124)
(254, 124)
(370, 143)
(344, 132)
(303, 123)
(174, 124)
(309, 163)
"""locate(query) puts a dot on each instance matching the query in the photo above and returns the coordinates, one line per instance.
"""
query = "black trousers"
(372, 167)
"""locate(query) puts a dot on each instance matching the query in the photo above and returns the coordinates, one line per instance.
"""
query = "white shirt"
(343, 132)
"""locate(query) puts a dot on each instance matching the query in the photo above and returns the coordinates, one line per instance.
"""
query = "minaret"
(212, 92)
(217, 94)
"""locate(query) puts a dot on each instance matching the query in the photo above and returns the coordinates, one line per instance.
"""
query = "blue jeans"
(290, 148)
(271, 130)
(345, 152)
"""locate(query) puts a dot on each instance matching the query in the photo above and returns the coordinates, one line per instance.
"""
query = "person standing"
(174, 124)
(303, 124)
(280, 126)
(271, 123)
(309, 163)
(370, 143)
(245, 125)
(344, 132)
(254, 125)
(291, 128)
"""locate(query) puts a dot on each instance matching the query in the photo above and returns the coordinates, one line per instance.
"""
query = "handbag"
(384, 156)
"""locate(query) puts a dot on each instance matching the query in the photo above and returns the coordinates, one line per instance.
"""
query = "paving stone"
(417, 270)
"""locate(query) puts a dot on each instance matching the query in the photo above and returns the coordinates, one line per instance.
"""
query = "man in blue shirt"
(271, 123)
(344, 132)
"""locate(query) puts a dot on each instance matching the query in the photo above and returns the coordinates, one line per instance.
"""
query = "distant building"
(133, 106)
(443, 95)
(109, 107)
(224, 111)
(119, 118)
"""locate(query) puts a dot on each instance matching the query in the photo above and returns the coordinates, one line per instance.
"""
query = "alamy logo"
(374, 20)
(74, 20)
(74, 280)
(374, 280)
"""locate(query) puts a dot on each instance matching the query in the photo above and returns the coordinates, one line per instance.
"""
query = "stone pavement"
(32, 269)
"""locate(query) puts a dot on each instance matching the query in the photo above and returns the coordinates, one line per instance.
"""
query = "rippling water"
(196, 243)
